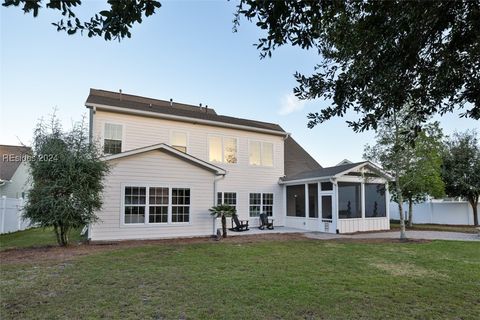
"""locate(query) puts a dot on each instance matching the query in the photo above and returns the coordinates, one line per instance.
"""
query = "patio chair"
(240, 225)
(265, 222)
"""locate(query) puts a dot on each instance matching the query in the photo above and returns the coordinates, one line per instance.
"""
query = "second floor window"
(261, 153)
(112, 141)
(222, 149)
(179, 141)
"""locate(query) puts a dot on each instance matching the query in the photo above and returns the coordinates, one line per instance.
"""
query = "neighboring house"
(14, 176)
(171, 162)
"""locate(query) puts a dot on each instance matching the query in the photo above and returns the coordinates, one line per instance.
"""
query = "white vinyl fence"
(11, 215)
(437, 212)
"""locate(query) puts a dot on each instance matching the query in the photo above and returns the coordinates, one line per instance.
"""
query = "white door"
(327, 223)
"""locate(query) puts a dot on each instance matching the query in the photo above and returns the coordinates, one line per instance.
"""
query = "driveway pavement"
(424, 235)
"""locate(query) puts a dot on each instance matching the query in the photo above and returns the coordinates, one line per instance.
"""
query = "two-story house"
(171, 162)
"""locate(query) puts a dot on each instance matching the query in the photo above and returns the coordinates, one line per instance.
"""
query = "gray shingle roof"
(322, 172)
(297, 160)
(8, 160)
(127, 101)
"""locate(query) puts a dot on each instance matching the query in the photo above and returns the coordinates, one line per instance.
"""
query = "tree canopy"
(461, 168)
(378, 56)
(67, 179)
(114, 23)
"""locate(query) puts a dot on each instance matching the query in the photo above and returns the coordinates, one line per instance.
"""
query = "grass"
(436, 227)
(295, 279)
(33, 238)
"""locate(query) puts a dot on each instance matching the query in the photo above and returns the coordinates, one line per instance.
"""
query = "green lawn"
(437, 227)
(34, 237)
(289, 279)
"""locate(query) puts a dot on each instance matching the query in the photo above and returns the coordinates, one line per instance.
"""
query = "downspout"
(90, 139)
(215, 180)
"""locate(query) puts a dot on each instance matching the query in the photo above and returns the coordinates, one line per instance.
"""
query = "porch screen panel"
(327, 207)
(313, 200)
(375, 201)
(296, 201)
(349, 200)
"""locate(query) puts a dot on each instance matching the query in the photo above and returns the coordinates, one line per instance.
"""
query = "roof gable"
(164, 147)
(338, 171)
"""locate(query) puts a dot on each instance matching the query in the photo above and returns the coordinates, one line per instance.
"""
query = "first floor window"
(261, 203)
(229, 198)
(180, 205)
(135, 203)
(112, 140)
(156, 205)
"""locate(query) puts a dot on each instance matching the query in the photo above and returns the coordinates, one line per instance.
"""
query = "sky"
(186, 51)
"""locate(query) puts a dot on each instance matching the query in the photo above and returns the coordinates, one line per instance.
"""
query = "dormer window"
(112, 141)
(179, 141)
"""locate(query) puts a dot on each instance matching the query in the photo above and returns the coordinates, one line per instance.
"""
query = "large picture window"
(375, 200)
(222, 149)
(296, 201)
(112, 140)
(156, 205)
(261, 153)
(349, 200)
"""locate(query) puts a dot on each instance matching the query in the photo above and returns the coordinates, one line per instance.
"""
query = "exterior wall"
(159, 169)
(241, 178)
(438, 212)
(11, 211)
(19, 183)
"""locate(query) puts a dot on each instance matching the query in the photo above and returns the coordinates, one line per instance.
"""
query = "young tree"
(223, 211)
(410, 163)
(423, 176)
(461, 168)
(67, 178)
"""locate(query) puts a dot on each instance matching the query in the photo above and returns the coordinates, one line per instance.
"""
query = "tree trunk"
(224, 226)
(474, 204)
(57, 234)
(410, 212)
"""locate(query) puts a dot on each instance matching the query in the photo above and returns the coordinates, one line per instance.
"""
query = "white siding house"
(162, 150)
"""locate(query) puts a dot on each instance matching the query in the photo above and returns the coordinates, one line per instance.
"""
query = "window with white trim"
(229, 198)
(260, 203)
(156, 205)
(222, 149)
(135, 203)
(179, 141)
(260, 153)
(112, 138)
(180, 205)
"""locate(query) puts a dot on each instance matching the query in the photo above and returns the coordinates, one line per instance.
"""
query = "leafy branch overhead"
(379, 56)
(114, 23)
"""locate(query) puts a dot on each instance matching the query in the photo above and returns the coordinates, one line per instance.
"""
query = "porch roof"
(335, 172)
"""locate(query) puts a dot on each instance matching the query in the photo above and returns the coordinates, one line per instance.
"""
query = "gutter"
(184, 119)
